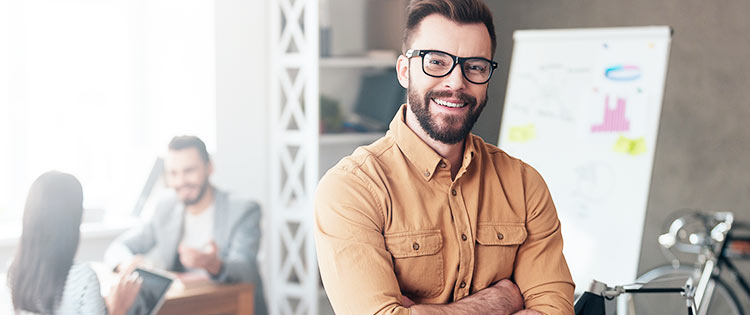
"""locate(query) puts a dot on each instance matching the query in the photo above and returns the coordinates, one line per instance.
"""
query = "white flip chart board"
(582, 107)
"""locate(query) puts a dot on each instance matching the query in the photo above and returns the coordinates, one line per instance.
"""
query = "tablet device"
(153, 291)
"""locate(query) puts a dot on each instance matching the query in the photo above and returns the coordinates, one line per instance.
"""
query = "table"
(210, 299)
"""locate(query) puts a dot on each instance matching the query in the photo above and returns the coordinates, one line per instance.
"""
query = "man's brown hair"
(186, 142)
(459, 11)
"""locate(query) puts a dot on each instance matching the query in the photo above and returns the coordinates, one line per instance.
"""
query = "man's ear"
(402, 71)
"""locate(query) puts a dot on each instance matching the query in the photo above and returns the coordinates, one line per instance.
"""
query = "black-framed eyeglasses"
(438, 64)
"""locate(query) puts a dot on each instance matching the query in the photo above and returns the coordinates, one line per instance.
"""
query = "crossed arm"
(501, 298)
(358, 272)
(550, 291)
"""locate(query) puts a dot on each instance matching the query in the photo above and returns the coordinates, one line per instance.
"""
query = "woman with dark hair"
(43, 278)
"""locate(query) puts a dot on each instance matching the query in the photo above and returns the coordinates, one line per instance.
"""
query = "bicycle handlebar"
(712, 230)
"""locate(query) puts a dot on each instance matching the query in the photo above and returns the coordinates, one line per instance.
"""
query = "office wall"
(242, 114)
(702, 155)
(241, 99)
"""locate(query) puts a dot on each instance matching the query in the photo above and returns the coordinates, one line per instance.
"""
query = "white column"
(293, 282)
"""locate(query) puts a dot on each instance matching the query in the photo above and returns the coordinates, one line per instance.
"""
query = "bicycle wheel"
(722, 300)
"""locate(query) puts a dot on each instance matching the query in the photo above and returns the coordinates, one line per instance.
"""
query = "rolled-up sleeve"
(541, 272)
(356, 269)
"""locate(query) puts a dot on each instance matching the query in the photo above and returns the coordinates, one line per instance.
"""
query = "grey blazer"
(236, 233)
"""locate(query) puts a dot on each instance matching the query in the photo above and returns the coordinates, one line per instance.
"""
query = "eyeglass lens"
(439, 64)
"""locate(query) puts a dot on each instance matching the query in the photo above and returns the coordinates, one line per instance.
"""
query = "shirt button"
(442, 164)
(426, 173)
(415, 246)
(500, 236)
(453, 192)
(462, 285)
(463, 237)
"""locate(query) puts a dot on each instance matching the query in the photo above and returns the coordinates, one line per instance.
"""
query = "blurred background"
(97, 89)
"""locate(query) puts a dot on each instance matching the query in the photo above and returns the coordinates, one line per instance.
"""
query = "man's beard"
(201, 193)
(446, 134)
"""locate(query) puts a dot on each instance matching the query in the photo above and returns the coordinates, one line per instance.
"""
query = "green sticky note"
(630, 146)
(522, 133)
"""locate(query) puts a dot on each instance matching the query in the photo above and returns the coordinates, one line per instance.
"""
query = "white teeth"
(447, 104)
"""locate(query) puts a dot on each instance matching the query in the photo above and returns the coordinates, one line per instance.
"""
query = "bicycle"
(703, 287)
(714, 239)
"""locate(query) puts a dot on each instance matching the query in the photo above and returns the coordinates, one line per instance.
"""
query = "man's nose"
(178, 179)
(455, 80)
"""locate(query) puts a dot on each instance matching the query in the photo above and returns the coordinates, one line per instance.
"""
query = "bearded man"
(198, 229)
(430, 219)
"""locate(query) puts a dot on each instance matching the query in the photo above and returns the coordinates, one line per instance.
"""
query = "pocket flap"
(413, 244)
(501, 233)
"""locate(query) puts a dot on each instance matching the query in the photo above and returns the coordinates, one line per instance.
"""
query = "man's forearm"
(501, 298)
(466, 307)
(472, 305)
(460, 309)
(214, 267)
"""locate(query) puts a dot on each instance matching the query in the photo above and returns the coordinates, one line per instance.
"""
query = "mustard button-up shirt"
(389, 220)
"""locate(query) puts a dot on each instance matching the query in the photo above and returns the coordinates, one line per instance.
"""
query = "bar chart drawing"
(614, 119)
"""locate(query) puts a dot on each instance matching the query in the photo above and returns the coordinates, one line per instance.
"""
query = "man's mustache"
(466, 98)
(187, 186)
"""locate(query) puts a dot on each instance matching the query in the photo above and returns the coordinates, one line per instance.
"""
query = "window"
(97, 88)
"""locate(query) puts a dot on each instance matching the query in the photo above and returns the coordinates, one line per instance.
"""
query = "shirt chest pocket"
(496, 249)
(417, 261)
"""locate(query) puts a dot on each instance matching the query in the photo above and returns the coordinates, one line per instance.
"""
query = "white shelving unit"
(362, 37)
(335, 146)
(299, 155)
(349, 137)
(341, 73)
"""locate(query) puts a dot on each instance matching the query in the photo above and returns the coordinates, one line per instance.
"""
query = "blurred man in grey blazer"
(199, 228)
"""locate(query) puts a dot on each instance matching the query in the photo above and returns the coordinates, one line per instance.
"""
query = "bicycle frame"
(717, 260)
(725, 261)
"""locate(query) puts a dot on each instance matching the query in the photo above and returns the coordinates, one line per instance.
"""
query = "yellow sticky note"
(630, 146)
(522, 133)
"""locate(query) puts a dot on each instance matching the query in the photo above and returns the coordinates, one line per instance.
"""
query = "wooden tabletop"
(210, 299)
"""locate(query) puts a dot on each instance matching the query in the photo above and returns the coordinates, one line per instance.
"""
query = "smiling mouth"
(448, 104)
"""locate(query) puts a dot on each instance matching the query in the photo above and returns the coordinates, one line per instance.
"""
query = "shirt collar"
(417, 151)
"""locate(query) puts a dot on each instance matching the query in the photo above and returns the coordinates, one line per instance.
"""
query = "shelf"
(356, 138)
(357, 62)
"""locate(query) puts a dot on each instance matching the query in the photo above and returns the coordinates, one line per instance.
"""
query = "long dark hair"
(49, 241)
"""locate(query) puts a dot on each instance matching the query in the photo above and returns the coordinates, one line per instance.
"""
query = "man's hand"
(502, 297)
(406, 302)
(208, 260)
